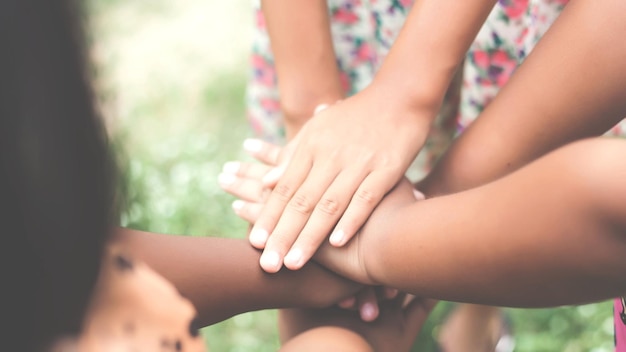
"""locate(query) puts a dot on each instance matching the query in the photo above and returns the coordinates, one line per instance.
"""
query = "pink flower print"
(269, 104)
(364, 52)
(345, 16)
(264, 72)
(344, 80)
(406, 3)
(260, 19)
(514, 8)
(502, 67)
(481, 59)
(522, 37)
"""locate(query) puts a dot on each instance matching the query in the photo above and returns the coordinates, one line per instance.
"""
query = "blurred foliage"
(174, 127)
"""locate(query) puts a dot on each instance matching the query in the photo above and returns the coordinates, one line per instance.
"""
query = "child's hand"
(333, 174)
(351, 260)
(397, 327)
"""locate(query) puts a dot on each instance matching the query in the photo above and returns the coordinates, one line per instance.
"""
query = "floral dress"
(363, 32)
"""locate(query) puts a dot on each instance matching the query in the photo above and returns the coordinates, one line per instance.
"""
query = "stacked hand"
(243, 180)
(332, 175)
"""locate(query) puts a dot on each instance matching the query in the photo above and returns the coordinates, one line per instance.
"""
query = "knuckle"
(301, 204)
(329, 206)
(283, 192)
(366, 196)
(264, 194)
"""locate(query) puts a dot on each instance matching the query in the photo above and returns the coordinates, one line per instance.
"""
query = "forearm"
(431, 45)
(570, 87)
(222, 276)
(551, 233)
(305, 60)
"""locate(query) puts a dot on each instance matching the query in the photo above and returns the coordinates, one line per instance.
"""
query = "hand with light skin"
(317, 329)
(243, 180)
(330, 190)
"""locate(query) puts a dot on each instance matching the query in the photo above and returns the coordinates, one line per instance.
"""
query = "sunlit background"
(170, 78)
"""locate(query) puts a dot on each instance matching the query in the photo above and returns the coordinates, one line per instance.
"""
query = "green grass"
(176, 112)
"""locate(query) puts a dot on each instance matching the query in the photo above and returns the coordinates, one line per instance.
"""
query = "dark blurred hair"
(55, 173)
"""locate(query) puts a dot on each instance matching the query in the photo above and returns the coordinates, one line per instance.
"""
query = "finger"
(246, 170)
(250, 190)
(263, 151)
(323, 219)
(295, 217)
(248, 211)
(416, 313)
(276, 203)
(368, 304)
(282, 162)
(418, 195)
(365, 199)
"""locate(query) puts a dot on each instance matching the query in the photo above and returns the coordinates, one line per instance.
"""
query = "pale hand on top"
(333, 174)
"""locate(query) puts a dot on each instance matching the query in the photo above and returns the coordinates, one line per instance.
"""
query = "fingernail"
(368, 312)
(258, 237)
(272, 176)
(418, 195)
(237, 205)
(231, 167)
(336, 238)
(270, 260)
(294, 258)
(252, 145)
(226, 179)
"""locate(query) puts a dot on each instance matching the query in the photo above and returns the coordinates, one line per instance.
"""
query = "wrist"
(298, 107)
(418, 110)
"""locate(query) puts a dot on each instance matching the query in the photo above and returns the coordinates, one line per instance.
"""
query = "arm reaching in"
(551, 233)
(222, 278)
(561, 93)
(343, 161)
(307, 76)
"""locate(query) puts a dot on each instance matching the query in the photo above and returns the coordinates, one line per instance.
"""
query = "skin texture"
(343, 162)
(308, 76)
